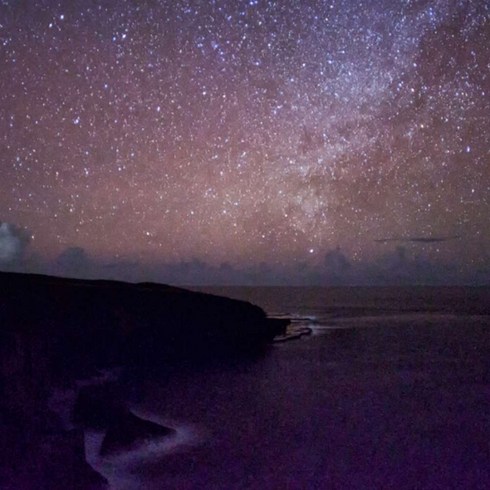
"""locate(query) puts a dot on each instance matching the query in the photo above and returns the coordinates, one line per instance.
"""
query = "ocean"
(390, 390)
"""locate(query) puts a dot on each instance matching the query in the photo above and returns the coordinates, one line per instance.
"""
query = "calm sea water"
(391, 390)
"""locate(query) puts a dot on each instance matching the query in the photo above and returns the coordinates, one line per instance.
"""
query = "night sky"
(340, 137)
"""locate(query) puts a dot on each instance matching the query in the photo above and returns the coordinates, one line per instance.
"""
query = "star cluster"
(246, 131)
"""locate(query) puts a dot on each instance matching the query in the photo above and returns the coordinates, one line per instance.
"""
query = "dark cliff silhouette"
(112, 322)
(55, 331)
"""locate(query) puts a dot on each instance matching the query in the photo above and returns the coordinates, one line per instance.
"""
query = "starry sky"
(314, 133)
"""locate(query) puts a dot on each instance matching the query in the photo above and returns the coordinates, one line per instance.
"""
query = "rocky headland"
(55, 332)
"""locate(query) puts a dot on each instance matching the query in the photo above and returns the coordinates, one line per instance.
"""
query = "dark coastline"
(56, 331)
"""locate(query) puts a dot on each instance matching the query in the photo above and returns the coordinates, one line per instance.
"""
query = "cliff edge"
(55, 331)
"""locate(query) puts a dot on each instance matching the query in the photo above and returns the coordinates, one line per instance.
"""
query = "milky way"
(247, 131)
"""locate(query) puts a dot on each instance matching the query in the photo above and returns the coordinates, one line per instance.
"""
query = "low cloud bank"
(398, 266)
(13, 243)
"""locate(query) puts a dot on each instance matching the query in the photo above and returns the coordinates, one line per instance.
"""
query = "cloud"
(403, 266)
(418, 239)
(73, 261)
(13, 242)
(337, 266)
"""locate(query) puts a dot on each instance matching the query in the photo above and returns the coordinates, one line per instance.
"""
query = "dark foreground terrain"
(56, 334)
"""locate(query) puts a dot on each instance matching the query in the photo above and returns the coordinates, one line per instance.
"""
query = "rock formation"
(54, 331)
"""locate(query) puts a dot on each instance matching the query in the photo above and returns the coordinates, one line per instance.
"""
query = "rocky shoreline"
(55, 331)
